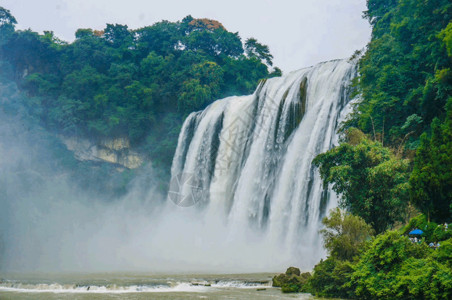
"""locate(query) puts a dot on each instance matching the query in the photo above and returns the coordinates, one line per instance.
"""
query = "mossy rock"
(293, 271)
(278, 280)
(292, 281)
(304, 277)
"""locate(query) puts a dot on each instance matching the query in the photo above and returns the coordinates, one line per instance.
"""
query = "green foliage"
(50, 158)
(433, 232)
(345, 237)
(203, 85)
(390, 267)
(394, 267)
(446, 36)
(431, 179)
(330, 278)
(405, 70)
(7, 22)
(372, 181)
(344, 234)
(293, 281)
(405, 85)
(136, 83)
(255, 49)
(444, 253)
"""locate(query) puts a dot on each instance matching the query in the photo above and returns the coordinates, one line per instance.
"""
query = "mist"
(57, 228)
(48, 223)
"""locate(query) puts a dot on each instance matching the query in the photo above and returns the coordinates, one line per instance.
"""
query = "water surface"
(141, 286)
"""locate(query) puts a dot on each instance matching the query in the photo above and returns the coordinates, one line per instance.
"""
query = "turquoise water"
(141, 286)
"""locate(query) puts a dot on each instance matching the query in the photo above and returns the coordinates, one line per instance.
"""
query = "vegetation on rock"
(136, 83)
(390, 266)
(372, 181)
(293, 281)
(405, 87)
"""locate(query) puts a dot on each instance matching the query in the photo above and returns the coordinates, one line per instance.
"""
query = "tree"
(405, 70)
(216, 43)
(330, 278)
(431, 179)
(376, 9)
(344, 234)
(117, 82)
(255, 49)
(372, 181)
(7, 22)
(202, 87)
(118, 35)
(395, 268)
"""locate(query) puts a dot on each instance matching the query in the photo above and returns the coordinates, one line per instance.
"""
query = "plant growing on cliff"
(345, 237)
(344, 234)
(395, 268)
(372, 181)
(403, 72)
(137, 83)
(431, 179)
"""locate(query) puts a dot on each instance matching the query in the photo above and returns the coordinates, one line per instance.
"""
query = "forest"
(392, 169)
(139, 84)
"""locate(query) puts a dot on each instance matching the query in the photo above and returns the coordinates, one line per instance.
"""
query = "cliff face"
(116, 151)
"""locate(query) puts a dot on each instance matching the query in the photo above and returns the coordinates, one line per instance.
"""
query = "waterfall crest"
(246, 161)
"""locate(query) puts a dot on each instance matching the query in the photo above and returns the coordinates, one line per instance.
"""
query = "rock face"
(293, 281)
(116, 151)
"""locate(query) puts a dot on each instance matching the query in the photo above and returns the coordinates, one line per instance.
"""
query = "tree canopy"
(372, 181)
(344, 234)
(405, 84)
(431, 179)
(137, 83)
(406, 69)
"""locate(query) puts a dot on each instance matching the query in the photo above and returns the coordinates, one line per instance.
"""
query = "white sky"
(299, 33)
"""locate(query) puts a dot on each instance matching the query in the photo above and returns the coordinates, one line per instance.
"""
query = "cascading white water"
(246, 161)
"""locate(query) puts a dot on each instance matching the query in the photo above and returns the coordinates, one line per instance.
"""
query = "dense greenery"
(345, 237)
(405, 87)
(36, 154)
(293, 281)
(405, 76)
(431, 179)
(405, 84)
(140, 83)
(433, 232)
(373, 182)
(394, 267)
(390, 266)
(344, 234)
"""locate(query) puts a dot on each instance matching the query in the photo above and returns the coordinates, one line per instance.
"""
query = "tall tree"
(431, 179)
(344, 234)
(255, 49)
(7, 22)
(372, 181)
(405, 70)
(119, 82)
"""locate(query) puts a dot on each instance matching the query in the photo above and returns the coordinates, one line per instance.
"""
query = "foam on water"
(93, 289)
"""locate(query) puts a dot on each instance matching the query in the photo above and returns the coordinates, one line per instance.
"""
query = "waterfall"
(246, 161)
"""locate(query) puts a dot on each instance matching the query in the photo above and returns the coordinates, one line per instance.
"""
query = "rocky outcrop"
(115, 151)
(293, 281)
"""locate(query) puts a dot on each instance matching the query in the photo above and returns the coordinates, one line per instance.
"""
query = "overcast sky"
(299, 33)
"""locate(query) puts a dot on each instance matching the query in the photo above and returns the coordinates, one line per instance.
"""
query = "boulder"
(292, 281)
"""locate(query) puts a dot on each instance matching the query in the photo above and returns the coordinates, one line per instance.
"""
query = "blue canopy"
(416, 232)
